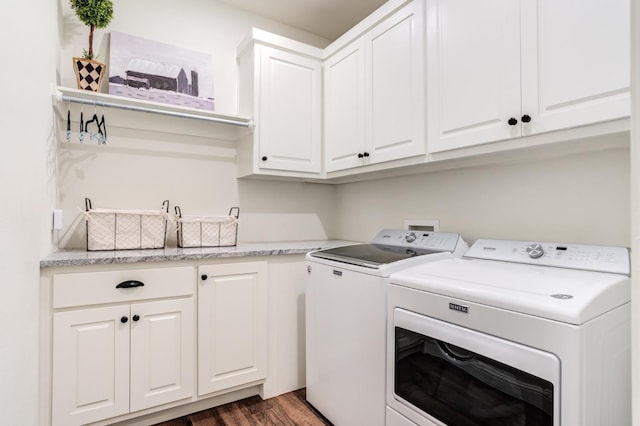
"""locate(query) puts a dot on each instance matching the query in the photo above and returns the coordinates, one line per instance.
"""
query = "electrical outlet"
(57, 220)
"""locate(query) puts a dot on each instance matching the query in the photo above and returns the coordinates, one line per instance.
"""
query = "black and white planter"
(89, 73)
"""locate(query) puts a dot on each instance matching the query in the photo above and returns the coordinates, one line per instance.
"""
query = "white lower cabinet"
(123, 343)
(90, 365)
(232, 325)
(130, 353)
(162, 349)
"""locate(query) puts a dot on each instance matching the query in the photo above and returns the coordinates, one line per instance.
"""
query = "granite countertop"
(83, 257)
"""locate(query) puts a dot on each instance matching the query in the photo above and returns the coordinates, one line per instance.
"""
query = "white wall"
(208, 26)
(635, 209)
(581, 198)
(150, 158)
(28, 47)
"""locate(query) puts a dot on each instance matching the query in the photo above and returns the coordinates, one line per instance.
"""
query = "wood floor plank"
(290, 409)
(298, 410)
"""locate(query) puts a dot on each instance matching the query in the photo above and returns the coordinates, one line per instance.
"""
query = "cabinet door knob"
(124, 320)
(512, 121)
(204, 277)
(264, 158)
(136, 317)
(366, 154)
(130, 284)
(360, 155)
(526, 118)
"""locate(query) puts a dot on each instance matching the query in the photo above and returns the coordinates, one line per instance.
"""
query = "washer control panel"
(561, 255)
(439, 241)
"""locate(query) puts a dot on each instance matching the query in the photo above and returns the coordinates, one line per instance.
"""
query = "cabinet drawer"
(91, 288)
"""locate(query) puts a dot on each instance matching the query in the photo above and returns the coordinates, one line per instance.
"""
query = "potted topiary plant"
(94, 14)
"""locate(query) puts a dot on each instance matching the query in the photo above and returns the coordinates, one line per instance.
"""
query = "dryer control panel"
(562, 255)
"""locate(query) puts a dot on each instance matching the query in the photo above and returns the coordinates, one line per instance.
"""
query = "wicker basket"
(109, 229)
(207, 231)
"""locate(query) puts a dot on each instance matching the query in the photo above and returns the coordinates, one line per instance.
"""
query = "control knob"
(535, 250)
(410, 237)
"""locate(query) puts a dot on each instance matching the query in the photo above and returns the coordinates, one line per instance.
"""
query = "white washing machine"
(346, 319)
(514, 332)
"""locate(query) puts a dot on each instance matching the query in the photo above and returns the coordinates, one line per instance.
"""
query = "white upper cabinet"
(290, 111)
(473, 72)
(429, 76)
(344, 108)
(282, 89)
(505, 69)
(583, 50)
(395, 85)
(374, 94)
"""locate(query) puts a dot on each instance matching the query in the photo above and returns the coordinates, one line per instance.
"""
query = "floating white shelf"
(66, 94)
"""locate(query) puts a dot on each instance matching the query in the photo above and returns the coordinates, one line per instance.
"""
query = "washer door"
(462, 377)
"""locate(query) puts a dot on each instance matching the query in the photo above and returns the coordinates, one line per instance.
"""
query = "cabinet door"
(344, 123)
(289, 116)
(473, 72)
(90, 365)
(162, 352)
(395, 85)
(232, 325)
(576, 61)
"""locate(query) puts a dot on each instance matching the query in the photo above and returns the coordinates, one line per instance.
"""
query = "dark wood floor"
(290, 409)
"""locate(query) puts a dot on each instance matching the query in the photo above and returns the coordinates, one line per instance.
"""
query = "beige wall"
(208, 26)
(151, 158)
(29, 47)
(139, 169)
(581, 198)
(635, 209)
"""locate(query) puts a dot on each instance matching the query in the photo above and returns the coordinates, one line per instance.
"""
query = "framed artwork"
(145, 69)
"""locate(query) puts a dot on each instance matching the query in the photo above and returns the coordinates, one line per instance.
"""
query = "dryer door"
(462, 377)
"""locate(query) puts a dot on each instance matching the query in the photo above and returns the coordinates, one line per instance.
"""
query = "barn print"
(159, 72)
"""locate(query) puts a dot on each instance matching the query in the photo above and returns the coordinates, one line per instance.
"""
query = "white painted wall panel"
(153, 159)
(581, 198)
(635, 209)
(26, 178)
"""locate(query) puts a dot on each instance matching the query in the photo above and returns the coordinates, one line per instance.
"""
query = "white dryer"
(346, 319)
(514, 332)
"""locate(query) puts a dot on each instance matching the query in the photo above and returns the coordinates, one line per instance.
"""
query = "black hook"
(68, 125)
(81, 134)
(102, 128)
(99, 134)
(94, 118)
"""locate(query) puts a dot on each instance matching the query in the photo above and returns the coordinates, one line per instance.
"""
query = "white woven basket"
(110, 229)
(207, 231)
